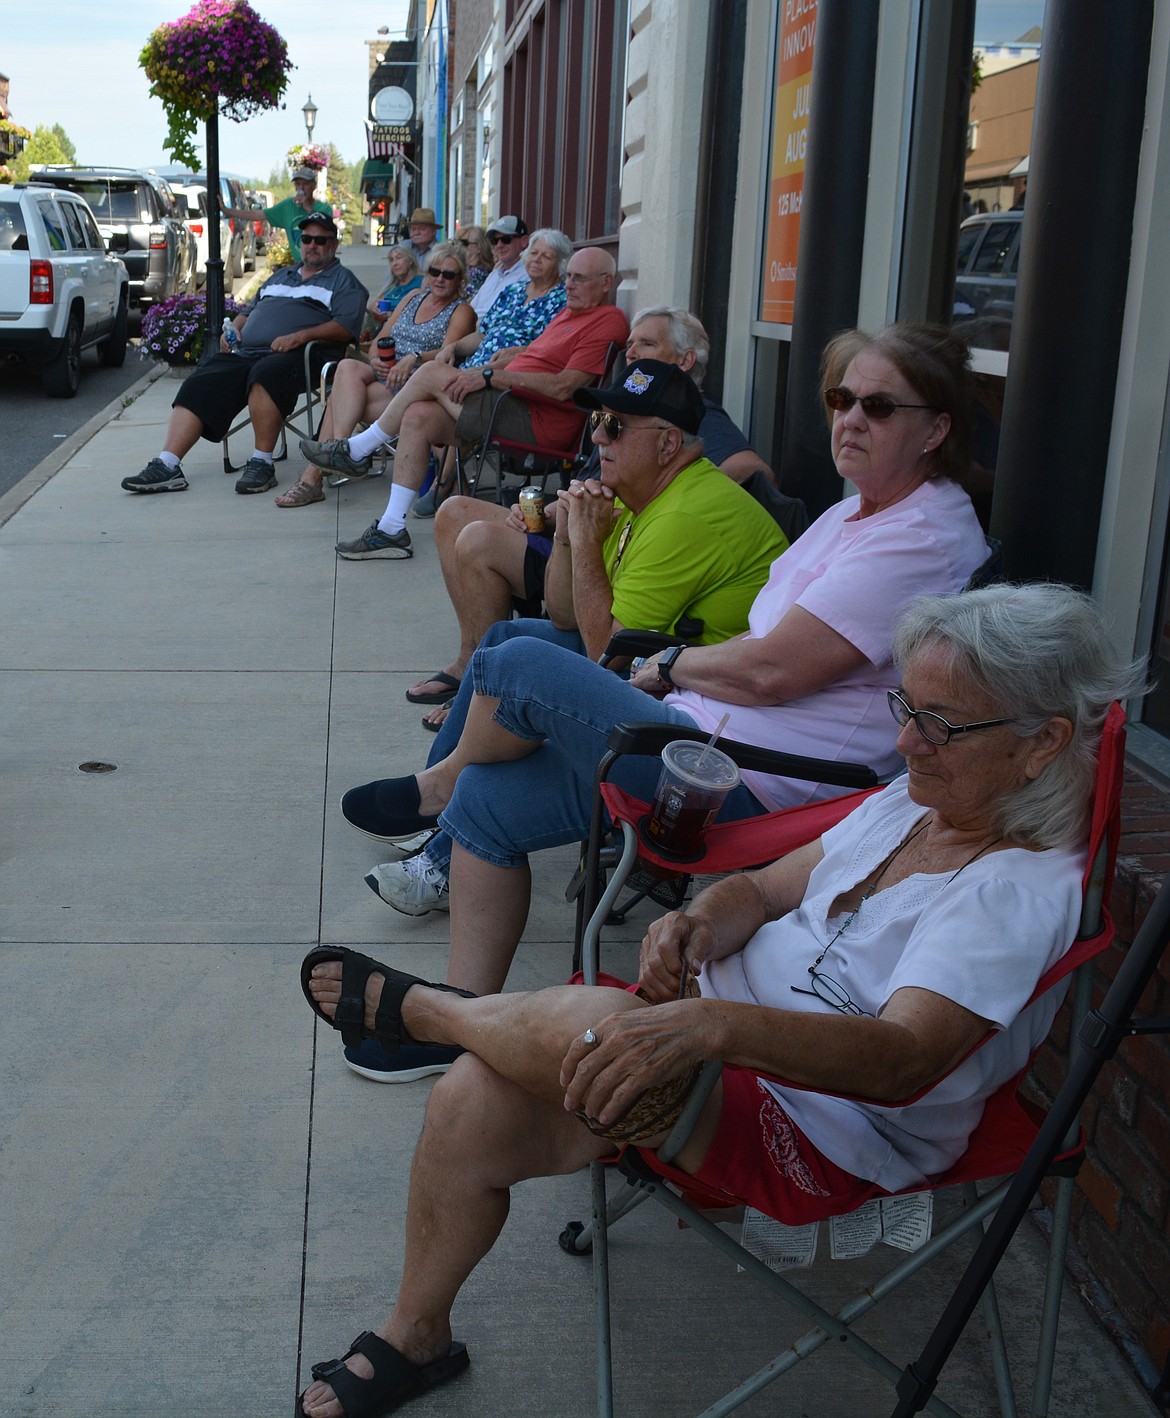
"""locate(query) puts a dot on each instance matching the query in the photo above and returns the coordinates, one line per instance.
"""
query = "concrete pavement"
(199, 1200)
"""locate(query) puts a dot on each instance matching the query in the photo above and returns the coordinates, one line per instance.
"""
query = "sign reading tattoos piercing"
(795, 41)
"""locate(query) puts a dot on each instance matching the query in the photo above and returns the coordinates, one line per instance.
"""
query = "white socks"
(171, 460)
(394, 518)
(361, 445)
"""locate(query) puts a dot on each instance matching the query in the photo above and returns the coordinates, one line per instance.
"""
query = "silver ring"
(589, 1037)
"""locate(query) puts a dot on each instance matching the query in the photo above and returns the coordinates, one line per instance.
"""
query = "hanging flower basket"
(221, 57)
(173, 330)
(308, 155)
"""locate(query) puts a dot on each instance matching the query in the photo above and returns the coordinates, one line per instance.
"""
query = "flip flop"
(348, 1019)
(395, 1379)
(439, 677)
(430, 725)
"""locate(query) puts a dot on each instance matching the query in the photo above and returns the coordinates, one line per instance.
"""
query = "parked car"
(989, 254)
(61, 291)
(239, 247)
(136, 215)
(260, 222)
(194, 203)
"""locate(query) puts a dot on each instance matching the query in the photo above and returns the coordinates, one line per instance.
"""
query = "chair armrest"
(651, 739)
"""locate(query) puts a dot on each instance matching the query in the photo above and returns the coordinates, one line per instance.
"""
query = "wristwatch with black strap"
(665, 664)
(487, 373)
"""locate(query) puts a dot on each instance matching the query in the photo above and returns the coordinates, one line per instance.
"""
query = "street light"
(310, 114)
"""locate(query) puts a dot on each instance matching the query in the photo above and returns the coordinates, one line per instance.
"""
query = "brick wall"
(1121, 1210)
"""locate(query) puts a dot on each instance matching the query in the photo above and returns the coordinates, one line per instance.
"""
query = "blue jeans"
(550, 693)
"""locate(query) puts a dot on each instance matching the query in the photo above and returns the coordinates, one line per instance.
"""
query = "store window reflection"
(1005, 66)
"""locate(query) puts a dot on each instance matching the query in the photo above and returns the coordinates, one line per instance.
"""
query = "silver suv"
(61, 291)
(136, 214)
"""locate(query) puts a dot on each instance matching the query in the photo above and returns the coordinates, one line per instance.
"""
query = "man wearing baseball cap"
(291, 211)
(508, 237)
(662, 540)
(317, 299)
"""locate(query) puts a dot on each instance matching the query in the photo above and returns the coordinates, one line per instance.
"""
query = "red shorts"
(760, 1157)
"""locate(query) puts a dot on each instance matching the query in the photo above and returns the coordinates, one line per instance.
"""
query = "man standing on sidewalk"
(317, 300)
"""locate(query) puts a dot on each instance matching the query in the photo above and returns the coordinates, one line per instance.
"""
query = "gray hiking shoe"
(156, 477)
(334, 454)
(374, 545)
(258, 476)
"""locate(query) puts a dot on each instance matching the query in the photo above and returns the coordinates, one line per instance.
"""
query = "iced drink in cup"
(694, 782)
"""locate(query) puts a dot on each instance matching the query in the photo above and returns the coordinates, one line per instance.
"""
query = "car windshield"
(110, 201)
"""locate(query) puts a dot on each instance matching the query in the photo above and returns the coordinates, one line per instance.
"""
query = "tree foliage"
(46, 145)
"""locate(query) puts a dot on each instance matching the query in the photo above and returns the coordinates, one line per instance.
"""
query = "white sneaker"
(409, 846)
(414, 887)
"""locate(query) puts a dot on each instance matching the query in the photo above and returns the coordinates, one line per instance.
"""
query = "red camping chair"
(999, 1145)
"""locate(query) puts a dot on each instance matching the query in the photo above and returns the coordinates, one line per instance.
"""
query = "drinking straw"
(719, 727)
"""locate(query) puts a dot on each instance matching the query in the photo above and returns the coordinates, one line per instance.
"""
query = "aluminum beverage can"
(532, 508)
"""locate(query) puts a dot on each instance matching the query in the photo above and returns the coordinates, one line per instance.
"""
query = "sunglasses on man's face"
(873, 406)
(614, 428)
(502, 240)
(437, 273)
(308, 240)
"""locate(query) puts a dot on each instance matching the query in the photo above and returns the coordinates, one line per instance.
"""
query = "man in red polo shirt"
(440, 405)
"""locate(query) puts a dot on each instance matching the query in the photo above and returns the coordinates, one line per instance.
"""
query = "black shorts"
(513, 420)
(217, 391)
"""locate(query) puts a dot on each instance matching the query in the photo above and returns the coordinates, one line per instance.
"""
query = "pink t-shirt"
(856, 575)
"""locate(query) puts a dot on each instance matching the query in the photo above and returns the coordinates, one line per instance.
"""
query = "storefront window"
(1005, 66)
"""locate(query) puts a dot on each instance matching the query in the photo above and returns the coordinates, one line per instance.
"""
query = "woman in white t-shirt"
(869, 963)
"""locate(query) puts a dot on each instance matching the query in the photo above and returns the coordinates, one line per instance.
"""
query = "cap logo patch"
(638, 382)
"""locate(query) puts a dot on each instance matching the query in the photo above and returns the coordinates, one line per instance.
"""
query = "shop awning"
(376, 170)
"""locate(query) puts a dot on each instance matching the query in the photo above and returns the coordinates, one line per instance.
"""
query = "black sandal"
(395, 1379)
(356, 970)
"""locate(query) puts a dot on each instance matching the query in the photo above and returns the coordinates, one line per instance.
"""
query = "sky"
(76, 64)
(997, 21)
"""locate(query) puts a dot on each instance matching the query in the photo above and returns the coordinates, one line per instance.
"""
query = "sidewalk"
(199, 1200)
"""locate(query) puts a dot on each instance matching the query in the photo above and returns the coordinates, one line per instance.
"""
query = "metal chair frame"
(1055, 1150)
(305, 418)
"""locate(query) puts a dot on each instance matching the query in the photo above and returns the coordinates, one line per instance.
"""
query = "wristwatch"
(666, 664)
(487, 372)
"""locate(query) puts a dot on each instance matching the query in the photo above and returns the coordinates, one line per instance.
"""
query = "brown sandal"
(301, 494)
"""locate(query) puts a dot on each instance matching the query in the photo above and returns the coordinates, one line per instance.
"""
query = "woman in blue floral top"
(520, 312)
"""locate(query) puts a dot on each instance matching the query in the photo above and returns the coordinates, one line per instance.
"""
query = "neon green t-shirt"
(702, 549)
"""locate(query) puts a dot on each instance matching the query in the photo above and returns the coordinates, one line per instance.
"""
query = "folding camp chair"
(305, 419)
(532, 462)
(1000, 1144)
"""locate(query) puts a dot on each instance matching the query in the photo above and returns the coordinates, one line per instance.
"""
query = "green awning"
(377, 170)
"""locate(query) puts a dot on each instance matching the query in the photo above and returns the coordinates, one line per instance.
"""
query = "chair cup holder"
(685, 859)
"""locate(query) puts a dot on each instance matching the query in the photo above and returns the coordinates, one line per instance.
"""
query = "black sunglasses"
(502, 240)
(308, 240)
(873, 406)
(614, 428)
(933, 727)
(438, 274)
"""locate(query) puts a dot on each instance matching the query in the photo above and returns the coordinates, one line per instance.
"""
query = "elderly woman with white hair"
(517, 315)
(862, 969)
